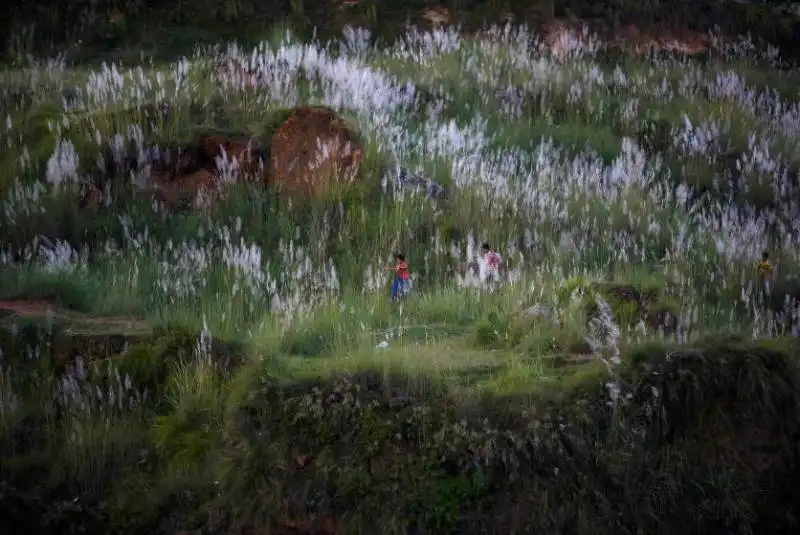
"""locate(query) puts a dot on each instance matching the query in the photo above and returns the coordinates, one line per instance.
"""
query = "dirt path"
(34, 308)
(27, 308)
(92, 337)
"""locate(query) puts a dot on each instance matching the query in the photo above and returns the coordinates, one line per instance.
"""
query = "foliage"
(238, 367)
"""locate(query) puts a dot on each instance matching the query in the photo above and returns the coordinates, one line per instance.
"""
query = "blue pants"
(398, 288)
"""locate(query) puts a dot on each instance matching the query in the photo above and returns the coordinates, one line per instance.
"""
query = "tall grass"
(595, 181)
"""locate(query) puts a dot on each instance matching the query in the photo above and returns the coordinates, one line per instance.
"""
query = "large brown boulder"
(311, 151)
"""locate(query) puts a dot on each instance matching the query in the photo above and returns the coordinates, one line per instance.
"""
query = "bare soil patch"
(25, 308)
(34, 308)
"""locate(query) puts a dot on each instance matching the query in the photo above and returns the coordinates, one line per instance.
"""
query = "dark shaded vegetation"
(108, 29)
(706, 443)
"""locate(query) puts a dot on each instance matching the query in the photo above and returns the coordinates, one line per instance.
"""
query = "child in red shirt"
(401, 280)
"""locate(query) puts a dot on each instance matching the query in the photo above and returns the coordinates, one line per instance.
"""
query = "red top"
(402, 270)
(492, 259)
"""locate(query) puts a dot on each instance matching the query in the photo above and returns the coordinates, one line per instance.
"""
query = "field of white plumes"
(664, 173)
(231, 362)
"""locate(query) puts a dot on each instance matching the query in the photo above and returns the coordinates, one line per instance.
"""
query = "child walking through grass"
(400, 285)
(765, 271)
(493, 261)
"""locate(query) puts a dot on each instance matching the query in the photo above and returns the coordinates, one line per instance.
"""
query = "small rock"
(400, 179)
(436, 15)
(538, 310)
(301, 459)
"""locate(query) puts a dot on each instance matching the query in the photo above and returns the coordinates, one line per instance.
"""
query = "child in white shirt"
(493, 262)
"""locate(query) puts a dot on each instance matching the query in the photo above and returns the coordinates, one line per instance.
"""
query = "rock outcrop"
(312, 151)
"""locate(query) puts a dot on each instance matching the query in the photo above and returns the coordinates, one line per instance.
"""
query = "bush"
(498, 330)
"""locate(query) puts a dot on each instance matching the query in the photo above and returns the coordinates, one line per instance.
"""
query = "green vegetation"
(236, 366)
(113, 29)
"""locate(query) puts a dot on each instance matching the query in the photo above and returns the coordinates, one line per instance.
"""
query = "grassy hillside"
(237, 366)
